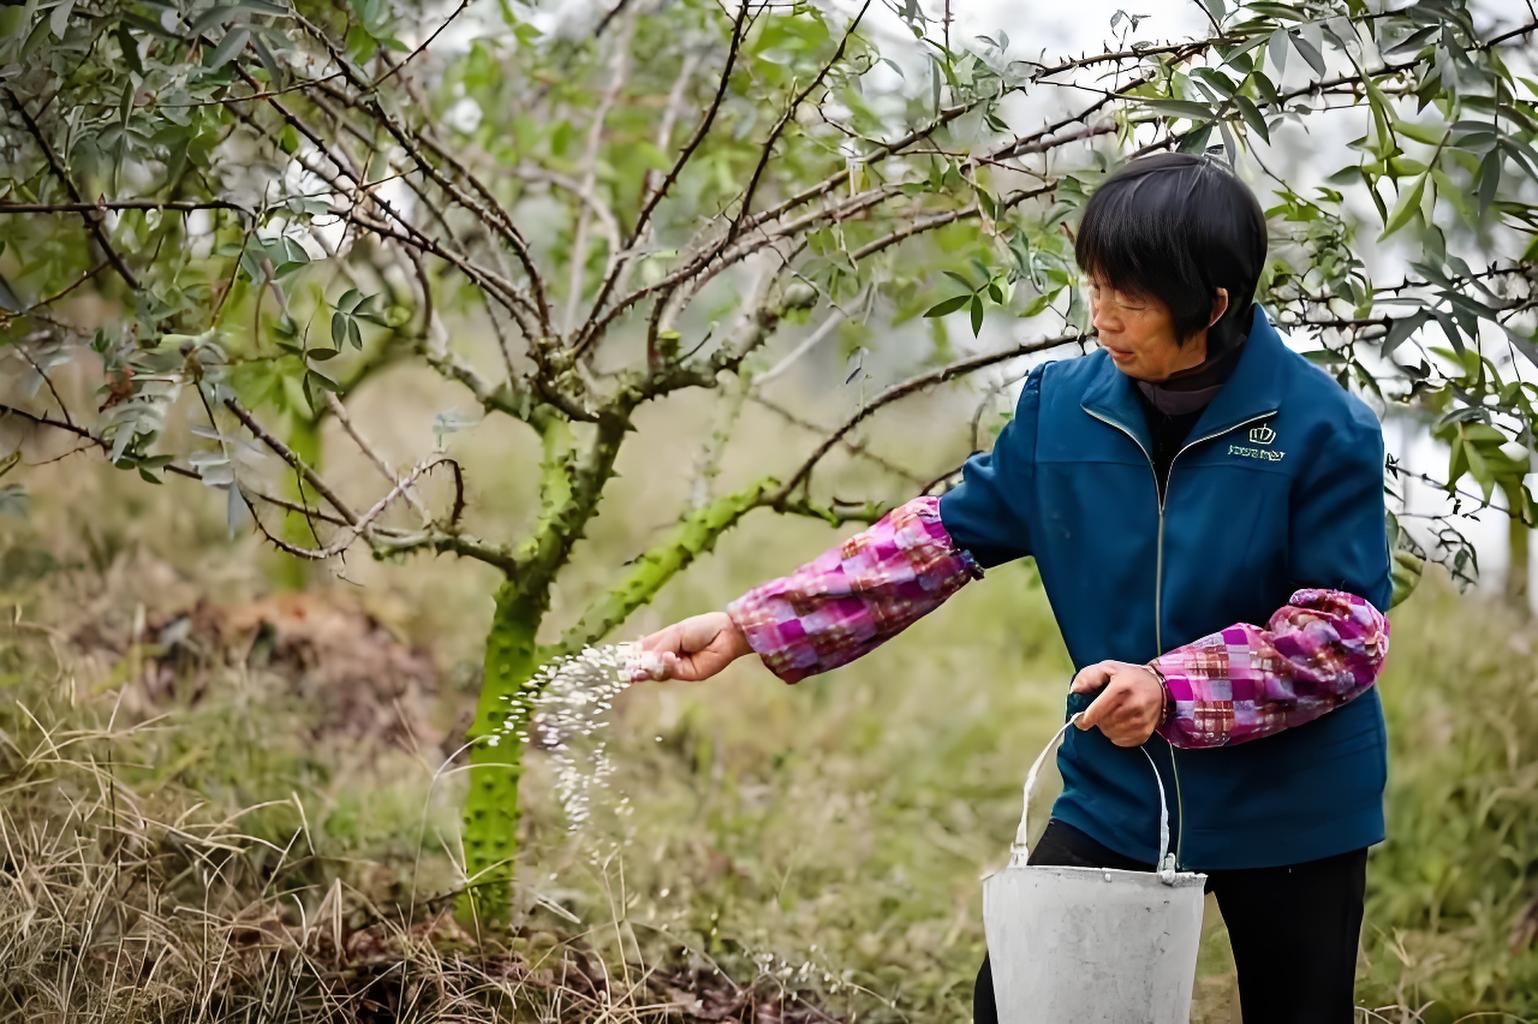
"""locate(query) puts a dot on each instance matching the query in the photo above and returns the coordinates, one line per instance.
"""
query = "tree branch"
(93, 224)
(950, 371)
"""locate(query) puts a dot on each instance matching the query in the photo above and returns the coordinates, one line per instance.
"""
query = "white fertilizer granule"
(564, 707)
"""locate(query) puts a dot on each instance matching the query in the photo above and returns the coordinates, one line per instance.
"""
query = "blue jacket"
(1279, 486)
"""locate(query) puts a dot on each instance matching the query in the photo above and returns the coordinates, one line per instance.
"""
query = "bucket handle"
(1020, 851)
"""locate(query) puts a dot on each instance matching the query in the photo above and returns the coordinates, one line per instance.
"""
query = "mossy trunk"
(1519, 564)
(491, 808)
(292, 573)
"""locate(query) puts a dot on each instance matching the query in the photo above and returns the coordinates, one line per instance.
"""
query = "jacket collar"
(1253, 389)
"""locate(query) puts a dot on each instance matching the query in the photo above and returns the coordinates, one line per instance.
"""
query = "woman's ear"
(1219, 306)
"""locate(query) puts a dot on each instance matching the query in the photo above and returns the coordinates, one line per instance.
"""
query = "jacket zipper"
(1180, 828)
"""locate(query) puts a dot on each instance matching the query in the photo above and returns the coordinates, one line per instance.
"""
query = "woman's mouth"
(1119, 354)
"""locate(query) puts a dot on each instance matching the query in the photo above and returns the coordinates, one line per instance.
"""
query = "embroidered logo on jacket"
(1262, 435)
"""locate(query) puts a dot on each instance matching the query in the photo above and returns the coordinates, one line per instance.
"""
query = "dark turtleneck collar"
(1189, 390)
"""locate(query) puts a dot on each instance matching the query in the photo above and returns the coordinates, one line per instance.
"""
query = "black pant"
(1294, 930)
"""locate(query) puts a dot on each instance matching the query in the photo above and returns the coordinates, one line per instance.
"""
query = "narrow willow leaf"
(58, 21)
(1409, 203)
(1276, 48)
(212, 17)
(237, 515)
(1399, 332)
(1180, 108)
(1252, 117)
(1414, 41)
(269, 62)
(1217, 80)
(228, 47)
(1310, 52)
(1489, 178)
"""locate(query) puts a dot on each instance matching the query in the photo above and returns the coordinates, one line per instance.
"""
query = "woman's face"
(1139, 333)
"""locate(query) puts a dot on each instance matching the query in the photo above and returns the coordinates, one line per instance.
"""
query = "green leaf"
(228, 47)
(977, 314)
(321, 380)
(1400, 330)
(1276, 48)
(236, 514)
(323, 353)
(130, 49)
(1528, 346)
(1038, 304)
(949, 305)
(1216, 79)
(1179, 108)
(1409, 203)
(269, 62)
(1457, 461)
(1414, 41)
(339, 328)
(1252, 117)
(1489, 177)
(58, 21)
(1426, 134)
(35, 39)
(1310, 52)
(211, 17)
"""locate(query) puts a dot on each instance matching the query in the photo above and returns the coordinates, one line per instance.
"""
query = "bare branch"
(827, 327)
(855, 448)
(619, 71)
(340, 412)
(950, 371)
(360, 527)
(287, 454)
(100, 443)
(588, 333)
(790, 112)
(495, 215)
(92, 223)
(125, 204)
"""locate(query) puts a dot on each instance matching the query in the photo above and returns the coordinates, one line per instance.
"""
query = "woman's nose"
(1100, 318)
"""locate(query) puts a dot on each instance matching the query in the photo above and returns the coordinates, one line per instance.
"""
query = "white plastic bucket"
(1092, 945)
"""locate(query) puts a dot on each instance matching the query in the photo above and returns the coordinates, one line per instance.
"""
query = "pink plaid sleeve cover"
(852, 598)
(1320, 650)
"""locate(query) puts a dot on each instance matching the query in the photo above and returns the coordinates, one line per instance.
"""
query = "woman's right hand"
(693, 649)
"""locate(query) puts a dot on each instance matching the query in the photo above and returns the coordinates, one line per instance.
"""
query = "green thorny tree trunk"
(1519, 554)
(291, 572)
(571, 482)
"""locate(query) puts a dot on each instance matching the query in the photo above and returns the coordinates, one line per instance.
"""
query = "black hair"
(1177, 227)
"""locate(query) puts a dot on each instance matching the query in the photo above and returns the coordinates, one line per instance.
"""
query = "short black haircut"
(1177, 227)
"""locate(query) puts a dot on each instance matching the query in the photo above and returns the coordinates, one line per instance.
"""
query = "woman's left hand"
(1130, 704)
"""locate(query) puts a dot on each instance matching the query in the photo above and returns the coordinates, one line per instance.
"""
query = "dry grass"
(193, 832)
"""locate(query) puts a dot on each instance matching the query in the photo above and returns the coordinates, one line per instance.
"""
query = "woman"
(1193, 477)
